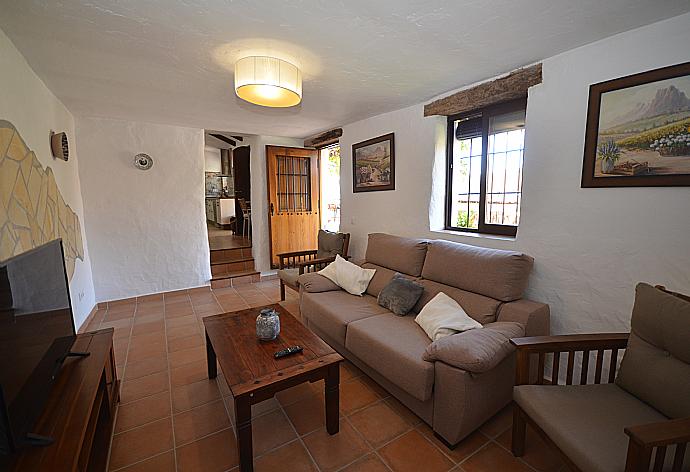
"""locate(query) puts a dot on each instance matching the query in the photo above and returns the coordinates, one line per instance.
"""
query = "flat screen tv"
(36, 335)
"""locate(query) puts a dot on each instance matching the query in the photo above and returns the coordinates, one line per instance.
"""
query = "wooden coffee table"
(254, 375)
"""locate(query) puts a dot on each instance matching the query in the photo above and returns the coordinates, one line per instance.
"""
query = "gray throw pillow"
(400, 295)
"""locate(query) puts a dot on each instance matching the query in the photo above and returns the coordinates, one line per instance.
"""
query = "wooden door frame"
(268, 193)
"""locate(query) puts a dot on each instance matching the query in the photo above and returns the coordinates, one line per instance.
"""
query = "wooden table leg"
(211, 359)
(332, 398)
(243, 425)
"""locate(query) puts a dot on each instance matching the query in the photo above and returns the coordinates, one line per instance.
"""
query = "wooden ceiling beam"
(503, 89)
(324, 139)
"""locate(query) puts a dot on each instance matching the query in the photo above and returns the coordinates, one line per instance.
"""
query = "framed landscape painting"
(373, 164)
(638, 130)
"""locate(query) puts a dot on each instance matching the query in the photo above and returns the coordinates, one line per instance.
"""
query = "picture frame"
(373, 164)
(638, 130)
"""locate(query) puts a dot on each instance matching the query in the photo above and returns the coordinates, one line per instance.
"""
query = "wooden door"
(241, 181)
(293, 199)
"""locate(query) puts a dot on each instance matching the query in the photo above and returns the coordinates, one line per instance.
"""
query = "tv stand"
(74, 431)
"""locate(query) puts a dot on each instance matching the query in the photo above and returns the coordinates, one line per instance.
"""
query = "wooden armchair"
(644, 440)
(293, 264)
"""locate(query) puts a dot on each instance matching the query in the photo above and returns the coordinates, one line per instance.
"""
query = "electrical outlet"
(81, 295)
(352, 220)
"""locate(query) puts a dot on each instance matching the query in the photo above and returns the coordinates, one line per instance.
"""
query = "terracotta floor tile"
(378, 423)
(258, 409)
(462, 451)
(294, 394)
(189, 396)
(154, 297)
(140, 320)
(186, 356)
(146, 410)
(146, 367)
(183, 331)
(144, 386)
(412, 452)
(142, 352)
(355, 394)
(161, 463)
(186, 342)
(292, 457)
(349, 371)
(492, 458)
(148, 327)
(140, 443)
(370, 463)
(378, 390)
(338, 450)
(270, 431)
(123, 323)
(118, 315)
(199, 422)
(214, 453)
(538, 454)
(308, 414)
(188, 373)
(499, 423)
(180, 321)
(403, 411)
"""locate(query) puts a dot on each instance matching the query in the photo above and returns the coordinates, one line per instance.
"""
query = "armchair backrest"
(331, 244)
(656, 364)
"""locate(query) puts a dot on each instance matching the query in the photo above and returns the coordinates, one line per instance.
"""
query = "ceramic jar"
(267, 325)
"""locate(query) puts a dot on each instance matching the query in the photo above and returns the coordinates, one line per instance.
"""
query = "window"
(484, 174)
(294, 184)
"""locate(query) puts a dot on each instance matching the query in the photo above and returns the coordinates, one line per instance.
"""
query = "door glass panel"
(294, 184)
(504, 168)
(467, 172)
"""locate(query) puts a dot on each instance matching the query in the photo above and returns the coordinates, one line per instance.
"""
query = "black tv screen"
(36, 334)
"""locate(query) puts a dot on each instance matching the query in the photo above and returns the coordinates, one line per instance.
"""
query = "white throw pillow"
(443, 316)
(348, 276)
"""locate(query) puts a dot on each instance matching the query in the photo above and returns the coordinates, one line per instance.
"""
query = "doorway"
(293, 199)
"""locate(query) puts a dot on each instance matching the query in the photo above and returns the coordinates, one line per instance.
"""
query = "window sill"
(474, 235)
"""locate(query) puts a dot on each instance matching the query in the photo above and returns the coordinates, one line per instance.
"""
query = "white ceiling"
(170, 61)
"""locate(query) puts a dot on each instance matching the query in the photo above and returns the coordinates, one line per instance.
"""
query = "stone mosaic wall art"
(32, 210)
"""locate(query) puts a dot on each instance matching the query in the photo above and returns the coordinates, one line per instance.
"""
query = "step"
(232, 267)
(232, 261)
(230, 255)
(235, 278)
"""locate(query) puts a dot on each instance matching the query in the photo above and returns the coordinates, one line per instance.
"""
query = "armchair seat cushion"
(586, 422)
(289, 276)
(393, 346)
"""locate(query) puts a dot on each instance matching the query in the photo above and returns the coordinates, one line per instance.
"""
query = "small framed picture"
(638, 130)
(373, 164)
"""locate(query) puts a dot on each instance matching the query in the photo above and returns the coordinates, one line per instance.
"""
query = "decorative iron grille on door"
(294, 184)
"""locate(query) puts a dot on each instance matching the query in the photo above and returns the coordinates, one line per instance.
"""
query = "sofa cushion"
(495, 273)
(350, 277)
(443, 317)
(404, 255)
(332, 311)
(393, 346)
(479, 307)
(381, 278)
(586, 421)
(656, 364)
(476, 350)
(400, 294)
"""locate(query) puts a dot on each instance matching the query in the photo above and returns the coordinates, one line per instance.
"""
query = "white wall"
(147, 229)
(259, 200)
(211, 159)
(27, 103)
(591, 246)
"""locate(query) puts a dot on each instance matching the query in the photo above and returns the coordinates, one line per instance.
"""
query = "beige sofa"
(453, 397)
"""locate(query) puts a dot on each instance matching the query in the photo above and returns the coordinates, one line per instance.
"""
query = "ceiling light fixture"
(268, 81)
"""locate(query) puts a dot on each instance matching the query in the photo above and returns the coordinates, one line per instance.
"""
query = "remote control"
(287, 351)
